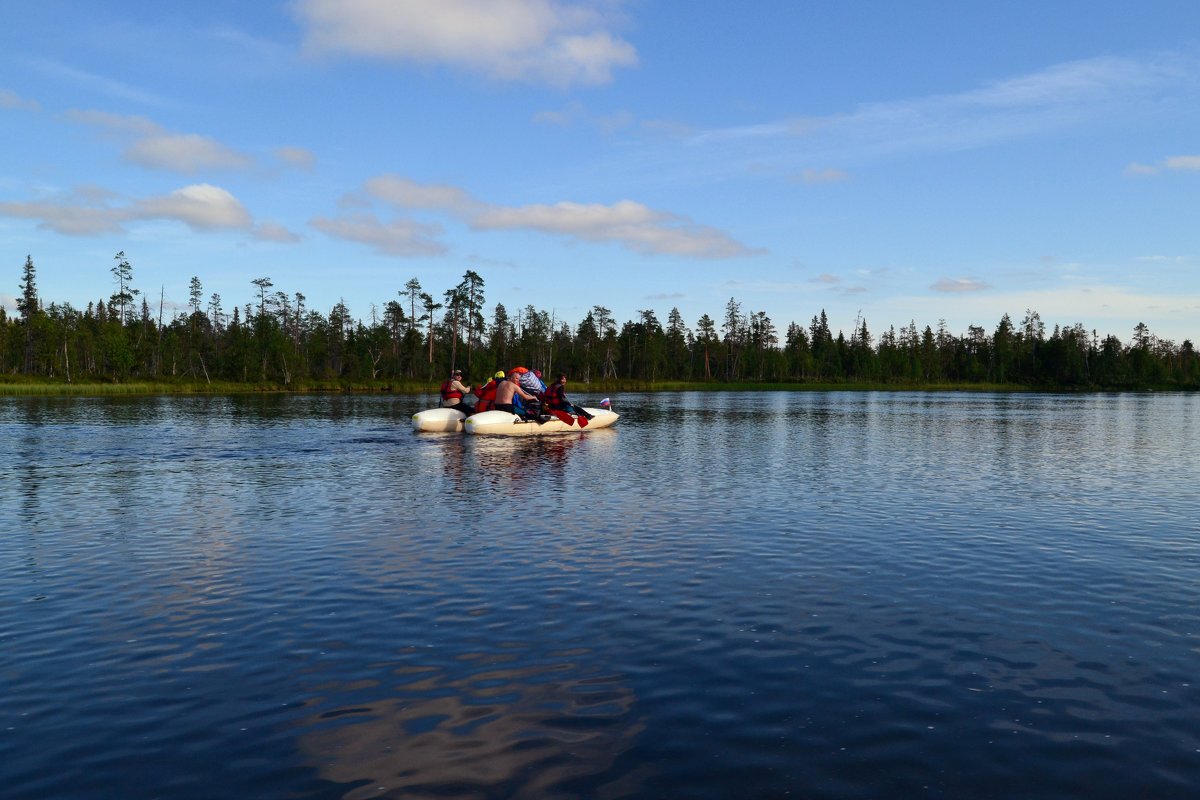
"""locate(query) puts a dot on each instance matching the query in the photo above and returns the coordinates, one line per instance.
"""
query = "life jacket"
(486, 395)
(448, 393)
(487, 391)
(556, 397)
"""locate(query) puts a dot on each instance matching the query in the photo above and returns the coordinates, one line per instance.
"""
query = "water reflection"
(521, 732)
(725, 595)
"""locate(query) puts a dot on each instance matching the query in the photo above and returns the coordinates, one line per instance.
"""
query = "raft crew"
(531, 381)
(509, 395)
(557, 404)
(487, 393)
(453, 392)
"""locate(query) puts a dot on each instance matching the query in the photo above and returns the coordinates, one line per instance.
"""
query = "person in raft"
(509, 394)
(558, 404)
(487, 393)
(453, 392)
(531, 382)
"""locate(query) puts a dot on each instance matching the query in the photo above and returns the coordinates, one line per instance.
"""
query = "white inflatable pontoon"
(502, 423)
(439, 420)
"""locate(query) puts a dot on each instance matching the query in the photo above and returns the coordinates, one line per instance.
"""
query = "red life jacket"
(486, 395)
(448, 393)
(556, 397)
(487, 391)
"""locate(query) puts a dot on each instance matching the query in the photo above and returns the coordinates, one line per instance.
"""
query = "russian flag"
(605, 403)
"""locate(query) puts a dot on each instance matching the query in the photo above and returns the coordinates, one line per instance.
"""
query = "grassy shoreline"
(10, 387)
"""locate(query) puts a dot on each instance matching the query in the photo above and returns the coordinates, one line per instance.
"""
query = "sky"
(923, 161)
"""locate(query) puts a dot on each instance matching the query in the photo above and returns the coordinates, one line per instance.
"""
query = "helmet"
(499, 374)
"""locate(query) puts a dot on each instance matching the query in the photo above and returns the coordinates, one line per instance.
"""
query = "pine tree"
(27, 304)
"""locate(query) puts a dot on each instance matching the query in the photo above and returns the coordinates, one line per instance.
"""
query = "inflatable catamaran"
(502, 423)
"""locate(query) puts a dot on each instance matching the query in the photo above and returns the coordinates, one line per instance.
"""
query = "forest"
(415, 338)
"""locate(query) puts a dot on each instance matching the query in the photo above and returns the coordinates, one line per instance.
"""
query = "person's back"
(531, 383)
(487, 393)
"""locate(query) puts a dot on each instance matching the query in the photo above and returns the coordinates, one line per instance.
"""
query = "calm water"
(726, 595)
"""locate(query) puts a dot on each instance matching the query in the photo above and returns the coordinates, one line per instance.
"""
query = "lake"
(825, 595)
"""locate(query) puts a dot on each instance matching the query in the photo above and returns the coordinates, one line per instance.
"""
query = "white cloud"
(959, 285)
(625, 222)
(186, 153)
(200, 206)
(152, 146)
(399, 237)
(532, 40)
(69, 217)
(400, 191)
(89, 211)
(628, 223)
(274, 232)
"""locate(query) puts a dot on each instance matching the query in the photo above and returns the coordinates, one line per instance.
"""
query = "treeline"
(277, 339)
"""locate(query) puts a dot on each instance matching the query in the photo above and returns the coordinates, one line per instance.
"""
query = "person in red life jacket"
(508, 392)
(453, 392)
(487, 393)
(558, 404)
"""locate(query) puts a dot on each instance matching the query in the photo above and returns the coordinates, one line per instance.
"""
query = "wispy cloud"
(399, 237)
(959, 285)
(11, 100)
(576, 113)
(544, 41)
(150, 145)
(1062, 96)
(1138, 170)
(1188, 163)
(298, 157)
(91, 211)
(100, 83)
(827, 175)
(628, 223)
(1171, 163)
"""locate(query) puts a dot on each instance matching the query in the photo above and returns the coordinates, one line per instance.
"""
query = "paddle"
(564, 416)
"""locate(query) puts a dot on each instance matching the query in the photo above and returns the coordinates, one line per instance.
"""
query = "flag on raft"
(605, 403)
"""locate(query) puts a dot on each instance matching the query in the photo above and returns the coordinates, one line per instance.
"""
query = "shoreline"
(18, 388)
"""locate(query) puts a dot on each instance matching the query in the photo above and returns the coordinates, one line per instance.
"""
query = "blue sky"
(912, 161)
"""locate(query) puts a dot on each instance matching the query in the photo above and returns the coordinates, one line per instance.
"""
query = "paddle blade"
(562, 416)
(582, 420)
